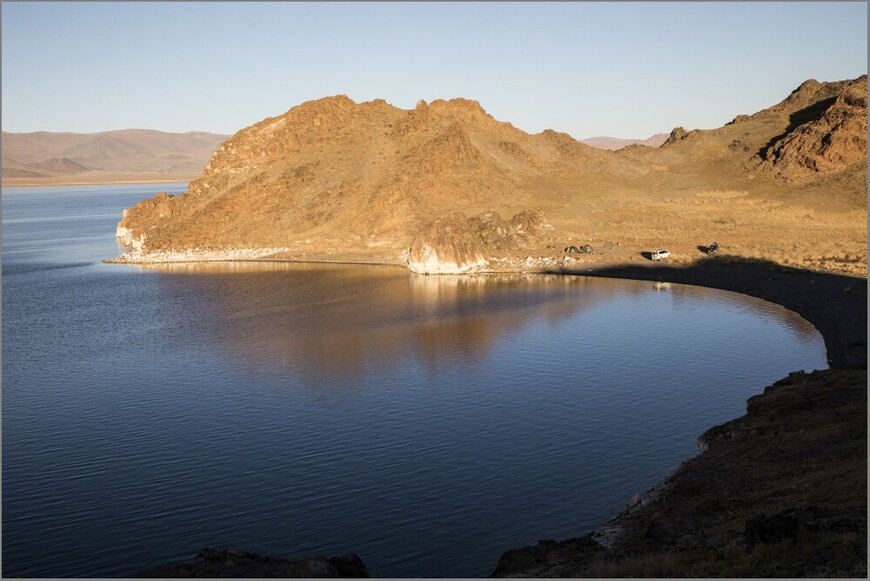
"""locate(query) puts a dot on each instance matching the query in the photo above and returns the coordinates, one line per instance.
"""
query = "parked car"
(660, 253)
(713, 248)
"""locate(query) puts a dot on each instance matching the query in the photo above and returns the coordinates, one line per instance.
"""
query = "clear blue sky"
(620, 69)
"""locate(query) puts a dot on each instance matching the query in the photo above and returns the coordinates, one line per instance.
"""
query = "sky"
(627, 70)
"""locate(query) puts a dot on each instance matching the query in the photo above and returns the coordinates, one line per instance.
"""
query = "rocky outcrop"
(210, 563)
(449, 245)
(679, 134)
(136, 222)
(531, 224)
(834, 137)
(455, 244)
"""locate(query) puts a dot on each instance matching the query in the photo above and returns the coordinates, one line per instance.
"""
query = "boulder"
(532, 223)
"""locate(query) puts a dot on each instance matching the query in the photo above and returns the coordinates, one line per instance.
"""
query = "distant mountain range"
(614, 143)
(141, 154)
(49, 157)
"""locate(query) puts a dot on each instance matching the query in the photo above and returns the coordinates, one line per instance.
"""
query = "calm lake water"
(427, 424)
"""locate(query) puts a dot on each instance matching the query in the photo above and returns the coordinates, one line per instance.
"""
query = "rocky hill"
(43, 155)
(334, 177)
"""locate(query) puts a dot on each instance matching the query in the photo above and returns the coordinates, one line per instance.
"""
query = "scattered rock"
(544, 559)
(229, 563)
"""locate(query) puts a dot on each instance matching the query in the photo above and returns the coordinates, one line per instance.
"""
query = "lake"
(427, 424)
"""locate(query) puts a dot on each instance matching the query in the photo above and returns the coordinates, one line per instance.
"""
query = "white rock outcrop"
(447, 246)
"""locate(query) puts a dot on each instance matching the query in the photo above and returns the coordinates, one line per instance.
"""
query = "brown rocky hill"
(830, 134)
(819, 129)
(614, 143)
(365, 173)
(332, 177)
(128, 151)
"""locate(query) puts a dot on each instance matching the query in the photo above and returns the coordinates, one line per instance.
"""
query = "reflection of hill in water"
(327, 324)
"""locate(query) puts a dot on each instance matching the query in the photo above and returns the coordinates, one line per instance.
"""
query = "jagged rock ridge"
(834, 137)
(369, 173)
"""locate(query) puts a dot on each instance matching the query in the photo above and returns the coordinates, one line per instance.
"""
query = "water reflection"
(325, 326)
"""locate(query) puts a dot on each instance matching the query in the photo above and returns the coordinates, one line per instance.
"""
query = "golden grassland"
(745, 227)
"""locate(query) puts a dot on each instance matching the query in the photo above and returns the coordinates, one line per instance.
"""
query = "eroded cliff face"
(833, 138)
(455, 244)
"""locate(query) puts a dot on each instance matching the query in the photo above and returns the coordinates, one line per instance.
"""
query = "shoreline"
(835, 304)
(121, 179)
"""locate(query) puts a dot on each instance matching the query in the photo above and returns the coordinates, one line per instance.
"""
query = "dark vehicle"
(713, 249)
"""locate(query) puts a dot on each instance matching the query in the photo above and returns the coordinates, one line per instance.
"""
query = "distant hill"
(16, 169)
(51, 156)
(614, 143)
